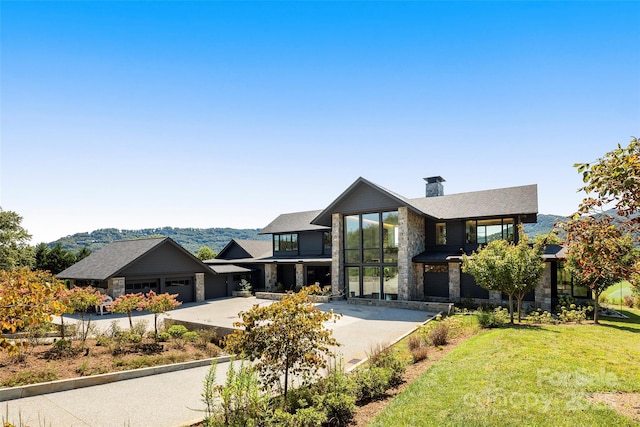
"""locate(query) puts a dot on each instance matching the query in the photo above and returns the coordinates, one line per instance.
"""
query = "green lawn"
(526, 375)
(618, 291)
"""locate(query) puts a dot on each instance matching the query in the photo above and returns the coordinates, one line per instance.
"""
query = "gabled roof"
(510, 201)
(324, 216)
(292, 222)
(116, 256)
(252, 248)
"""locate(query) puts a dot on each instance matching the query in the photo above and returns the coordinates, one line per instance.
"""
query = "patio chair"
(101, 308)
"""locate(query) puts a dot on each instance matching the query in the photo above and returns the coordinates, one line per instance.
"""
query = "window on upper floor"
(441, 233)
(488, 230)
(326, 243)
(285, 242)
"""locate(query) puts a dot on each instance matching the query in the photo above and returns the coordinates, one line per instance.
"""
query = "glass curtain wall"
(371, 254)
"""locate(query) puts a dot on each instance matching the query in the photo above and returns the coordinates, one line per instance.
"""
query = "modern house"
(158, 264)
(373, 244)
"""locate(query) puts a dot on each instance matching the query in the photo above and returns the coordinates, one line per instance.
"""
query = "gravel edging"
(19, 392)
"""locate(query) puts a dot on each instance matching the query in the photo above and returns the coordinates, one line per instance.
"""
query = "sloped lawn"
(530, 375)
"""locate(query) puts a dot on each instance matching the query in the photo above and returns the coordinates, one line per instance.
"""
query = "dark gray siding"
(455, 235)
(215, 287)
(235, 252)
(310, 243)
(469, 288)
(366, 199)
(166, 259)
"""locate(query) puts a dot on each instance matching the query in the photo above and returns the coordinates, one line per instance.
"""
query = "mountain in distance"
(192, 239)
(544, 225)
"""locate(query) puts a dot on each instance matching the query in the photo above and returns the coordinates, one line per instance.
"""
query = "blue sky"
(225, 114)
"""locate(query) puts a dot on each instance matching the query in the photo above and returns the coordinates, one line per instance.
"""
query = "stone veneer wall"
(199, 287)
(454, 281)
(337, 256)
(270, 277)
(115, 287)
(543, 290)
(411, 236)
(300, 275)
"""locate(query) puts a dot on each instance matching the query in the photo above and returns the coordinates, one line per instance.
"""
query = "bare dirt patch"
(36, 363)
(627, 404)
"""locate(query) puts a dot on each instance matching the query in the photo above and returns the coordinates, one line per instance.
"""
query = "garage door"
(182, 287)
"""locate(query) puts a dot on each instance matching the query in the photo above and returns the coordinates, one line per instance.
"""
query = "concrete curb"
(11, 393)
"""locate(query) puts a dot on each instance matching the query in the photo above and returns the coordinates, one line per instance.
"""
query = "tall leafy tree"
(612, 181)
(285, 338)
(83, 253)
(600, 253)
(514, 269)
(15, 251)
(27, 298)
(205, 253)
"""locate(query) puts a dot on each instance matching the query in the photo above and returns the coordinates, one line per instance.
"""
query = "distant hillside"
(544, 225)
(191, 239)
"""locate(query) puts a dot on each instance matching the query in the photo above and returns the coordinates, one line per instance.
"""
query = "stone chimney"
(434, 186)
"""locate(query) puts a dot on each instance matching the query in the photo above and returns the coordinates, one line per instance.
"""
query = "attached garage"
(142, 265)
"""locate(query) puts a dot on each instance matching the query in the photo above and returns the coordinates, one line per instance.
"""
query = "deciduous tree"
(27, 298)
(514, 269)
(600, 253)
(127, 304)
(613, 181)
(159, 304)
(286, 338)
(205, 253)
(81, 299)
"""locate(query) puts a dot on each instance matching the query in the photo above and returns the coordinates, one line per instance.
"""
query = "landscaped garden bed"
(43, 359)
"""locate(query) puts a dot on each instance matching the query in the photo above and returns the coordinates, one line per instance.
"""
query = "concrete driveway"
(173, 399)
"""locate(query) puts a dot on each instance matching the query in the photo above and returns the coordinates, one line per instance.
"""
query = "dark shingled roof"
(292, 222)
(252, 248)
(116, 256)
(521, 200)
(324, 216)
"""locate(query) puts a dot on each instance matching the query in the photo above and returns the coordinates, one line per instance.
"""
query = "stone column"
(418, 273)
(411, 239)
(199, 287)
(454, 281)
(495, 298)
(300, 276)
(337, 256)
(270, 277)
(543, 290)
(115, 287)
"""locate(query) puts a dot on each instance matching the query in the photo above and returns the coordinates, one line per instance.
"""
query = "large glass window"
(371, 254)
(390, 282)
(390, 236)
(285, 242)
(352, 238)
(488, 230)
(566, 284)
(326, 243)
(441, 233)
(371, 238)
(353, 281)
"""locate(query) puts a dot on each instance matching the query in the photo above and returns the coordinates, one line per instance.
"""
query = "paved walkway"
(174, 399)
